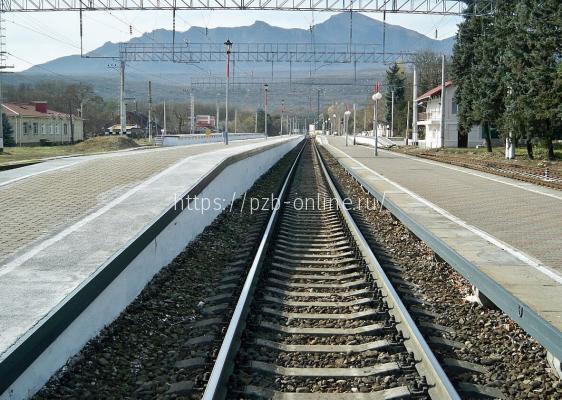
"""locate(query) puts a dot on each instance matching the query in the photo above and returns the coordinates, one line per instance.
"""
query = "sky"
(34, 38)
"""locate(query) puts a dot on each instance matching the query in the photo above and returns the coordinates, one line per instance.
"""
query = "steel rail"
(426, 362)
(217, 384)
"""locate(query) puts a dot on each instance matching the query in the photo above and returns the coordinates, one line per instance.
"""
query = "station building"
(34, 124)
(429, 121)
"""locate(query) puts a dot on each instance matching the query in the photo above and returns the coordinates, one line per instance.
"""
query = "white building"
(429, 120)
(35, 123)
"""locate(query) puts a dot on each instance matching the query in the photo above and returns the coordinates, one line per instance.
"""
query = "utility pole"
(149, 111)
(282, 110)
(256, 125)
(123, 111)
(354, 118)
(318, 106)
(2, 67)
(235, 120)
(407, 123)
(266, 87)
(415, 107)
(365, 120)
(442, 128)
(392, 115)
(71, 123)
(192, 109)
(217, 125)
(164, 119)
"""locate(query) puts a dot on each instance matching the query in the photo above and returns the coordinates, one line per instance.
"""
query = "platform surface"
(511, 231)
(40, 199)
(60, 225)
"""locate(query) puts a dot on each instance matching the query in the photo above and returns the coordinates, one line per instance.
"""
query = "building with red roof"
(35, 123)
(429, 120)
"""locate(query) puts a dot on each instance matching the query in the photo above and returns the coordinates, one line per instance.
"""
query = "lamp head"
(347, 113)
(266, 86)
(377, 96)
(228, 45)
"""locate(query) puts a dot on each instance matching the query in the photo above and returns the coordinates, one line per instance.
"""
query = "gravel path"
(516, 363)
(135, 356)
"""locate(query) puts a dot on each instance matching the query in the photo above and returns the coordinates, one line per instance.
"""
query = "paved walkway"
(40, 200)
(503, 235)
(525, 216)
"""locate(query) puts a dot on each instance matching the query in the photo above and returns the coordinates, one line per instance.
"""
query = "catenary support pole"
(407, 123)
(415, 108)
(122, 110)
(165, 131)
(217, 120)
(392, 115)
(192, 113)
(354, 118)
(256, 124)
(149, 111)
(443, 100)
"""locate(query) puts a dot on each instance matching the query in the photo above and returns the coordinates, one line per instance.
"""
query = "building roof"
(28, 110)
(434, 91)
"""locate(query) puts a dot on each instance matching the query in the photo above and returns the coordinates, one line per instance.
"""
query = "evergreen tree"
(512, 23)
(462, 69)
(508, 72)
(395, 81)
(545, 39)
(8, 132)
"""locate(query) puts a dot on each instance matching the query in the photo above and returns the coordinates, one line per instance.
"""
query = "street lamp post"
(266, 88)
(228, 48)
(347, 113)
(334, 117)
(376, 97)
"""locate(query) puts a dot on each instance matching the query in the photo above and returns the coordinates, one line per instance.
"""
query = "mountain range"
(336, 29)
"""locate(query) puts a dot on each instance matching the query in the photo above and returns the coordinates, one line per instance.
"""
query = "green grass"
(99, 144)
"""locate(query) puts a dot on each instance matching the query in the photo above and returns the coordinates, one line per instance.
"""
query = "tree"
(8, 132)
(395, 80)
(475, 72)
(261, 125)
(507, 70)
(428, 67)
(545, 38)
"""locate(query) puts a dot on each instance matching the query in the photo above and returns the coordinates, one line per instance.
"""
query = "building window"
(56, 129)
(48, 129)
(42, 129)
(65, 129)
(454, 107)
(35, 128)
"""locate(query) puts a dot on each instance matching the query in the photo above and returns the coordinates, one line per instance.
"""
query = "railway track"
(317, 318)
(538, 176)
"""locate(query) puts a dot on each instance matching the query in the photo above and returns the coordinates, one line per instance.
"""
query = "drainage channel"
(317, 317)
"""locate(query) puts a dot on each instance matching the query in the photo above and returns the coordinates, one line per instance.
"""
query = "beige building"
(34, 123)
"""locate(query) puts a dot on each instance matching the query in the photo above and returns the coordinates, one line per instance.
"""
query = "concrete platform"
(503, 235)
(123, 225)
(40, 199)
